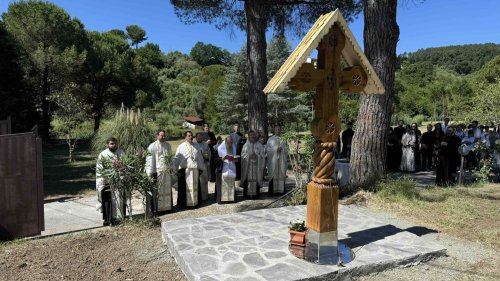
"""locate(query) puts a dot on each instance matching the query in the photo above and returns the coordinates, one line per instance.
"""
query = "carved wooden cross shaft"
(327, 78)
(337, 48)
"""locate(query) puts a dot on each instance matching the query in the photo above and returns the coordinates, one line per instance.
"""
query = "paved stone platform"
(254, 246)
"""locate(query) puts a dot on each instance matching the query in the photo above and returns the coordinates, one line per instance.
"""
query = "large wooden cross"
(341, 66)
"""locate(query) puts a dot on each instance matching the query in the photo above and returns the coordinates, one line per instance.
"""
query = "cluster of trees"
(463, 59)
(457, 81)
(429, 87)
(98, 82)
(66, 79)
(55, 58)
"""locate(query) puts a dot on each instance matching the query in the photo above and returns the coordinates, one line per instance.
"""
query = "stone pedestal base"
(324, 248)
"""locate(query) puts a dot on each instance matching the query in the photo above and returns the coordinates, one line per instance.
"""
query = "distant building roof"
(192, 119)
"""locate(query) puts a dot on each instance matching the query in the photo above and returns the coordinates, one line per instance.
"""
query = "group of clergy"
(199, 159)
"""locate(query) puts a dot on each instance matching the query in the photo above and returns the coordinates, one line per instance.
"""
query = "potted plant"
(298, 230)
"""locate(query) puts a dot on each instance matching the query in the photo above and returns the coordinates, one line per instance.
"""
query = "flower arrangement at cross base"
(298, 232)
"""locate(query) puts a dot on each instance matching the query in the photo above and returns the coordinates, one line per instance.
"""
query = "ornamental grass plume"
(131, 129)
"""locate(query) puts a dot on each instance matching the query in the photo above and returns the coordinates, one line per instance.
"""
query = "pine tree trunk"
(369, 146)
(257, 63)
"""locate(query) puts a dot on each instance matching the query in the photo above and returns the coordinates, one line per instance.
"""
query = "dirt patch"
(360, 198)
(130, 252)
(119, 253)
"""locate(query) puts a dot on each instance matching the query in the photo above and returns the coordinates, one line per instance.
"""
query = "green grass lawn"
(471, 213)
(63, 178)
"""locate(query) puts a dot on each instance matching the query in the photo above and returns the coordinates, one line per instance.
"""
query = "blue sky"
(423, 24)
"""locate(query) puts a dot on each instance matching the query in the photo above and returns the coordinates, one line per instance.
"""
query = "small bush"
(482, 174)
(397, 189)
(419, 119)
(131, 129)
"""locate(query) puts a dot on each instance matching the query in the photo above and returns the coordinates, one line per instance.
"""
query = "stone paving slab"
(254, 246)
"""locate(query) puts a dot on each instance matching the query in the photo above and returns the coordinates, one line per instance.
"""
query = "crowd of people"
(409, 150)
(203, 158)
(199, 159)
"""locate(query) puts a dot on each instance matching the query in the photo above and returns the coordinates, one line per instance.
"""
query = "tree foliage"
(294, 15)
(17, 102)
(255, 17)
(208, 54)
(486, 101)
(464, 59)
(53, 45)
(72, 116)
(136, 34)
(233, 98)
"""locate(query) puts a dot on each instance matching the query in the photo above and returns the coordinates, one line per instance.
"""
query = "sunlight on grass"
(61, 177)
(70, 178)
(468, 213)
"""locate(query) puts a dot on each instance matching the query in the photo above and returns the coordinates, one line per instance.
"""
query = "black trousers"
(106, 200)
(182, 186)
(153, 199)
(426, 159)
(271, 192)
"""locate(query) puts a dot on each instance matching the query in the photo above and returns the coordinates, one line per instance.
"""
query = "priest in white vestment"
(408, 159)
(253, 160)
(206, 153)
(160, 199)
(190, 163)
(277, 162)
(110, 201)
(227, 153)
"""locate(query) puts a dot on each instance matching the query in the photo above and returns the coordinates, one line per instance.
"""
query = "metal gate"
(21, 186)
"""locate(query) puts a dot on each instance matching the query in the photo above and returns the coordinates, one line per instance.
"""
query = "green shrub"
(131, 129)
(419, 119)
(482, 174)
(83, 131)
(397, 189)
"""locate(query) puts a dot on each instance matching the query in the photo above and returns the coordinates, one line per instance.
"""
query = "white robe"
(206, 154)
(277, 163)
(117, 197)
(228, 172)
(189, 158)
(408, 158)
(252, 166)
(155, 163)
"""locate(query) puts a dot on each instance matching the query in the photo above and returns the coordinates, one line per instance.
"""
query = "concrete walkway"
(69, 214)
(75, 213)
